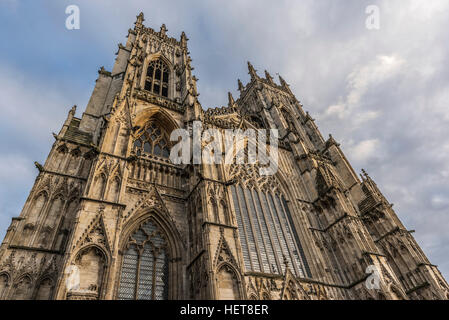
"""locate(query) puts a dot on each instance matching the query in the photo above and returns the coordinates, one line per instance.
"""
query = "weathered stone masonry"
(109, 206)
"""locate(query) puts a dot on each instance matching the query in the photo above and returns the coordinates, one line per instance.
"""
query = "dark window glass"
(165, 91)
(157, 150)
(158, 74)
(150, 71)
(157, 88)
(147, 147)
(157, 78)
(152, 140)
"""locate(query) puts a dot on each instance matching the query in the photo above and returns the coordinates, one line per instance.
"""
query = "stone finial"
(331, 142)
(252, 71)
(230, 100)
(283, 82)
(268, 77)
(364, 173)
(184, 40)
(139, 21)
(240, 85)
(73, 110)
(164, 30)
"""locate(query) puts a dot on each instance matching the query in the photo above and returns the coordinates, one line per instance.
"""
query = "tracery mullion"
(279, 230)
(286, 234)
(269, 246)
(245, 235)
(255, 262)
(153, 76)
(139, 256)
(153, 290)
(253, 206)
(272, 230)
(301, 257)
(253, 229)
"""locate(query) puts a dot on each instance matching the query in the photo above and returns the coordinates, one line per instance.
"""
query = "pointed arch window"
(152, 140)
(157, 78)
(4, 284)
(144, 274)
(267, 233)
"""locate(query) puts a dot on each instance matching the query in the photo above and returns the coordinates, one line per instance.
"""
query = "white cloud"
(440, 201)
(364, 150)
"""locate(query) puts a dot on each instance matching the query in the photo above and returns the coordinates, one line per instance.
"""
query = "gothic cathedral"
(111, 217)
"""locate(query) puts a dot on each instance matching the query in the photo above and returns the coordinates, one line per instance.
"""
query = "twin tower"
(111, 217)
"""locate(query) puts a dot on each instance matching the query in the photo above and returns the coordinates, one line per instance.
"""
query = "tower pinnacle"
(240, 85)
(269, 77)
(184, 40)
(140, 20)
(252, 72)
(163, 30)
(230, 100)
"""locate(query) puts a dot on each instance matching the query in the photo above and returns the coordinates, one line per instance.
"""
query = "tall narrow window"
(157, 77)
(152, 140)
(249, 231)
(4, 280)
(242, 232)
(144, 274)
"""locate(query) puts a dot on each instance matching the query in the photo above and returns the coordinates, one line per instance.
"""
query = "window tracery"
(157, 77)
(152, 140)
(144, 274)
(266, 228)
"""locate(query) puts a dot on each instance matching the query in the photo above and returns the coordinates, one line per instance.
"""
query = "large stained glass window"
(267, 233)
(144, 274)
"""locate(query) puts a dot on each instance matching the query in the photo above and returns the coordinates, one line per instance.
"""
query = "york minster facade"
(111, 217)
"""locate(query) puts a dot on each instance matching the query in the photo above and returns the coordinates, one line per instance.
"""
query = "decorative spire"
(230, 100)
(139, 21)
(365, 174)
(163, 30)
(184, 40)
(240, 84)
(269, 77)
(252, 71)
(284, 83)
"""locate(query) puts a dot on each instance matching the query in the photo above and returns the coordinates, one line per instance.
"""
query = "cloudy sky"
(383, 94)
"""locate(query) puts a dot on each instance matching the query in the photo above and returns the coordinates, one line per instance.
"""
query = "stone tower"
(111, 217)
